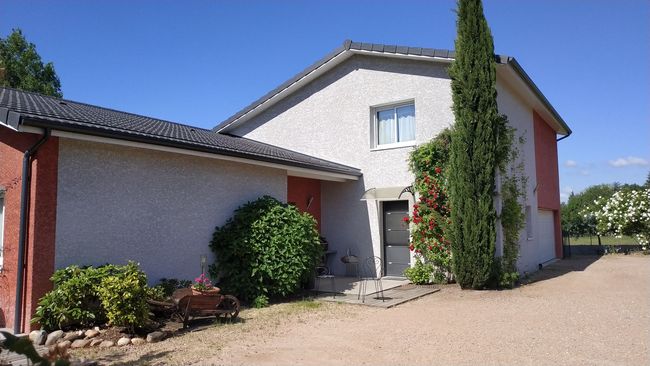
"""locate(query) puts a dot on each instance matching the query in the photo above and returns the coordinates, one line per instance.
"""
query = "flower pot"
(210, 292)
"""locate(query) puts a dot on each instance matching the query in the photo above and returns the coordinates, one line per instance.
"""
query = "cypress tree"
(474, 151)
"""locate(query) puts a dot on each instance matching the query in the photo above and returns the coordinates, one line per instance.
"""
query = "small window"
(2, 226)
(529, 223)
(394, 125)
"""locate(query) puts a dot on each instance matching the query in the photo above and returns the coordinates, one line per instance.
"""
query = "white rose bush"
(627, 212)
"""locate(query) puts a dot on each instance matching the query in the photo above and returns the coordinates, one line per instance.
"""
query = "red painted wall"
(548, 179)
(299, 190)
(41, 233)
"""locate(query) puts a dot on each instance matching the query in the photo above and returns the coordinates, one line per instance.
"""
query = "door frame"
(382, 243)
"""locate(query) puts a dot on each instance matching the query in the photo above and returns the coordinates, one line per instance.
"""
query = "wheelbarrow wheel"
(229, 307)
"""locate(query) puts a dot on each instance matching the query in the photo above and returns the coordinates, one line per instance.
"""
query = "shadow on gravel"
(576, 263)
(149, 358)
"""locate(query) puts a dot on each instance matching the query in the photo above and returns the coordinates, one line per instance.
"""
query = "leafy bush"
(508, 279)
(261, 301)
(267, 248)
(124, 297)
(74, 301)
(420, 273)
(626, 212)
(80, 297)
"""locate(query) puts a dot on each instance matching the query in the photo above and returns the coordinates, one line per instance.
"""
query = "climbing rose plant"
(430, 217)
(626, 212)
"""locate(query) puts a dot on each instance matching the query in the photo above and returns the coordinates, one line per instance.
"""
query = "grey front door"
(396, 238)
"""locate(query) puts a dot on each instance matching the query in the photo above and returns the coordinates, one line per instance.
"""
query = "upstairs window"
(394, 125)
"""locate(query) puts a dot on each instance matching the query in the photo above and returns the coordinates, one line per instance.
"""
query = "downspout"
(25, 194)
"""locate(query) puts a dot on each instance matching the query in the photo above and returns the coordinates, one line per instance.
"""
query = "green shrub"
(169, 285)
(261, 301)
(124, 297)
(420, 273)
(74, 301)
(266, 248)
(508, 279)
(81, 295)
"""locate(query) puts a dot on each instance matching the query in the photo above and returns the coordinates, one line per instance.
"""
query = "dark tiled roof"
(389, 49)
(404, 50)
(60, 114)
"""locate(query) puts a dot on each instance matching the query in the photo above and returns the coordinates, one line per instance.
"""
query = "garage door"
(546, 230)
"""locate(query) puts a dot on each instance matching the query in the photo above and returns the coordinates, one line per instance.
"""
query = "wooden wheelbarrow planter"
(185, 305)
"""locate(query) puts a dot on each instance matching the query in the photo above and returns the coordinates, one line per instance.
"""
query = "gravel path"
(588, 311)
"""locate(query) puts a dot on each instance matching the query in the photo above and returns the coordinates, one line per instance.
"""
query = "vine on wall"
(430, 217)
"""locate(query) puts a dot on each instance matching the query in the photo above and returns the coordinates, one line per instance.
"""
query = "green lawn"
(605, 240)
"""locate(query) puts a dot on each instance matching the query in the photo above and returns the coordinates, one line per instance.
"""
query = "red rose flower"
(411, 247)
(438, 170)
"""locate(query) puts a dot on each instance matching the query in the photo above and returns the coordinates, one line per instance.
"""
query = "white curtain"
(406, 123)
(386, 127)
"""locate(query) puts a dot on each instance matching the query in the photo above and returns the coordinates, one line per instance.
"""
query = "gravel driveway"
(585, 311)
(596, 316)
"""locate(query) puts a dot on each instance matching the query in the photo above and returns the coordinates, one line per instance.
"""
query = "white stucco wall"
(117, 203)
(331, 118)
(520, 116)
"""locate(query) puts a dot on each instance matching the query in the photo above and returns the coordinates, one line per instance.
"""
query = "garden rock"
(80, 343)
(53, 337)
(106, 344)
(72, 336)
(123, 341)
(38, 337)
(91, 333)
(62, 346)
(95, 342)
(154, 337)
(138, 341)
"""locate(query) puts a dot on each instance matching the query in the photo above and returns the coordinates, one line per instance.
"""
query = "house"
(108, 186)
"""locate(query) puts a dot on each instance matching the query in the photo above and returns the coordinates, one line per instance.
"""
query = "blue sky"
(198, 62)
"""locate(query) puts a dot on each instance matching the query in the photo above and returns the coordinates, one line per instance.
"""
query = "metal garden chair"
(372, 270)
(323, 273)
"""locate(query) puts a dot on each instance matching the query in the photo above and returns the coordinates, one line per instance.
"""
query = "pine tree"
(474, 148)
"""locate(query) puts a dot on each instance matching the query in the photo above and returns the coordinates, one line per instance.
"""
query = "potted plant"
(203, 286)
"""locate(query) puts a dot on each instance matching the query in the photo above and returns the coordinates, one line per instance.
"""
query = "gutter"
(25, 194)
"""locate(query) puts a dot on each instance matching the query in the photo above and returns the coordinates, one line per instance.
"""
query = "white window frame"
(375, 125)
(2, 228)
